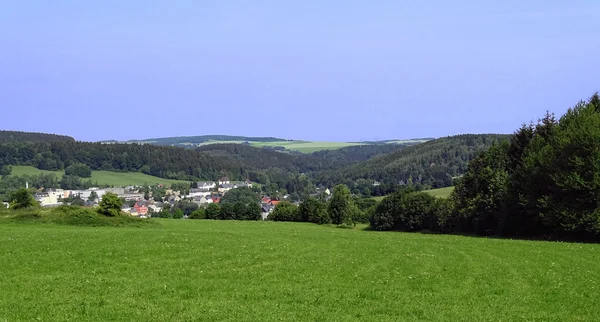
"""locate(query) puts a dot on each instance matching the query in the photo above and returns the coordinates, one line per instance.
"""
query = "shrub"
(198, 214)
(110, 205)
(285, 211)
(22, 198)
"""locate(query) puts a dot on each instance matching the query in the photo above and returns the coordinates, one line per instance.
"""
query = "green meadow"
(306, 146)
(112, 178)
(440, 193)
(188, 270)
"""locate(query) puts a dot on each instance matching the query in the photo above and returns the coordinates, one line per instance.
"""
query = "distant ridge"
(279, 144)
(36, 137)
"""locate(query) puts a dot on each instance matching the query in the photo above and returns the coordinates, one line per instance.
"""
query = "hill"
(160, 161)
(433, 163)
(234, 270)
(278, 144)
(19, 136)
(111, 178)
(260, 158)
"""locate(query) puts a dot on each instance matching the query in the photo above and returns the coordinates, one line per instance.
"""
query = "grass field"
(185, 270)
(306, 146)
(441, 193)
(103, 177)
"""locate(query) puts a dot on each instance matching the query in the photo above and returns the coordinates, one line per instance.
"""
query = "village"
(139, 201)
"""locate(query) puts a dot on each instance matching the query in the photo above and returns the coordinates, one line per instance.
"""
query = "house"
(376, 183)
(216, 199)
(198, 192)
(266, 209)
(6, 204)
(126, 209)
(226, 187)
(154, 208)
(205, 185)
(274, 202)
(224, 180)
(141, 207)
(47, 199)
(327, 192)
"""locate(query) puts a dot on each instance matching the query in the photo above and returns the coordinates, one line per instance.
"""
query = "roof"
(227, 185)
(274, 202)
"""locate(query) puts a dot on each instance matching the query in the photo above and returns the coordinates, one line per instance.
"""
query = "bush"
(198, 214)
(285, 211)
(110, 205)
(75, 216)
(22, 198)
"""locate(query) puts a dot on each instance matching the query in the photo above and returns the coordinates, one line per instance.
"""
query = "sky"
(313, 70)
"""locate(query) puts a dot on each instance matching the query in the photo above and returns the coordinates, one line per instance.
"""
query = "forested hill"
(261, 158)
(160, 161)
(18, 136)
(433, 163)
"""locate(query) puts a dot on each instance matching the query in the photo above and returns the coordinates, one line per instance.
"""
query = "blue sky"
(314, 70)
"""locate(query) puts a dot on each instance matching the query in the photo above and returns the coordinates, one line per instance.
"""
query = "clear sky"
(315, 70)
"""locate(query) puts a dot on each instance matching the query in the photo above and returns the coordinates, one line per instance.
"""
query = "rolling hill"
(278, 144)
(111, 178)
(20, 136)
(434, 163)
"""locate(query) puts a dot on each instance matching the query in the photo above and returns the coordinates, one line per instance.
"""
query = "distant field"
(103, 177)
(293, 145)
(306, 147)
(188, 270)
(441, 193)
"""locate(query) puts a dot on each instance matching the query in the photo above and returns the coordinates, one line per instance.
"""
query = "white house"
(206, 185)
(224, 180)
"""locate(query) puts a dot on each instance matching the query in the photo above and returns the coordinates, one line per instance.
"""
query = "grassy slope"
(103, 177)
(441, 192)
(266, 271)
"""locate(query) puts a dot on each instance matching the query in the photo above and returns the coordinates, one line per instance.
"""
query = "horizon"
(305, 71)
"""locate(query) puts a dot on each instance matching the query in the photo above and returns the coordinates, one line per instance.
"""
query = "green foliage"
(178, 213)
(5, 170)
(22, 198)
(93, 196)
(213, 211)
(78, 170)
(73, 216)
(186, 206)
(339, 207)
(19, 136)
(544, 182)
(285, 211)
(198, 214)
(110, 205)
(313, 210)
(244, 195)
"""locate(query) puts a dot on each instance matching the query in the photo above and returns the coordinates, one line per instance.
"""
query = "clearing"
(183, 270)
(118, 179)
(440, 193)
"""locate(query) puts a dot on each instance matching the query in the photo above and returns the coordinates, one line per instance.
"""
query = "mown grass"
(306, 146)
(119, 179)
(440, 193)
(186, 270)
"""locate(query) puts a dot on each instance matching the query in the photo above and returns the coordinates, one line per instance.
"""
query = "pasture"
(440, 193)
(118, 179)
(183, 270)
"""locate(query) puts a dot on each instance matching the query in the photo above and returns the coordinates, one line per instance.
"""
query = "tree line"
(18, 136)
(542, 183)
